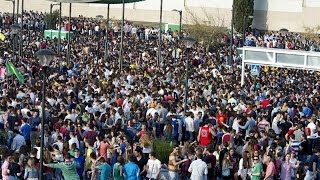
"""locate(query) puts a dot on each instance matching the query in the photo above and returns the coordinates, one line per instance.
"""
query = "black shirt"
(141, 163)
(14, 169)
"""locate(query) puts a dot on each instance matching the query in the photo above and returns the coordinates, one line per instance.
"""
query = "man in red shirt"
(205, 134)
(221, 118)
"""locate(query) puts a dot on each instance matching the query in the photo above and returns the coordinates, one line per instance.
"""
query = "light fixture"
(176, 10)
(189, 41)
(45, 57)
(99, 17)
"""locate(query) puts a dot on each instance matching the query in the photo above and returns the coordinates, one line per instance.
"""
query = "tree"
(312, 34)
(52, 19)
(208, 30)
(242, 9)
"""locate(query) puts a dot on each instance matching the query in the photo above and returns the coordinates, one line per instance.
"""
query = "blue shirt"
(25, 130)
(131, 171)
(105, 171)
(80, 160)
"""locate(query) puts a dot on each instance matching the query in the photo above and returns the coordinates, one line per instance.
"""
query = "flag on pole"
(10, 69)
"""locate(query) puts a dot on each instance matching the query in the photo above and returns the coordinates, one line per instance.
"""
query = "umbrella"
(284, 30)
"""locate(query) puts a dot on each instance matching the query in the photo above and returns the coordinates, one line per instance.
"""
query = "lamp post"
(45, 57)
(189, 41)
(180, 33)
(106, 53)
(244, 27)
(15, 29)
(160, 33)
(98, 18)
(59, 33)
(21, 31)
(121, 43)
(69, 34)
(231, 34)
(180, 21)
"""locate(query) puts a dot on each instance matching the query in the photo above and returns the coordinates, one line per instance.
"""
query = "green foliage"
(242, 9)
(52, 19)
(207, 30)
(163, 149)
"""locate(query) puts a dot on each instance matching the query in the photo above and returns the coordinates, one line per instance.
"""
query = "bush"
(162, 148)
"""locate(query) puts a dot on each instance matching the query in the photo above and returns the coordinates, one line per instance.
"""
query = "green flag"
(10, 69)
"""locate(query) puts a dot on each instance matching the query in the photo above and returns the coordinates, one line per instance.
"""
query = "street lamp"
(231, 34)
(244, 27)
(45, 57)
(160, 34)
(180, 34)
(189, 42)
(15, 28)
(98, 18)
(180, 21)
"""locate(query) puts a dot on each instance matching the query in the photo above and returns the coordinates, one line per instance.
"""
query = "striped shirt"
(295, 146)
(263, 124)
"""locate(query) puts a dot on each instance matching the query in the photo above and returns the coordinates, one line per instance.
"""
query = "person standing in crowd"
(153, 167)
(205, 134)
(26, 131)
(18, 141)
(173, 164)
(257, 169)
(131, 170)
(118, 169)
(78, 158)
(68, 168)
(198, 168)
(104, 169)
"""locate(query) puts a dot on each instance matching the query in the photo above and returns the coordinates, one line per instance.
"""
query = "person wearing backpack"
(31, 172)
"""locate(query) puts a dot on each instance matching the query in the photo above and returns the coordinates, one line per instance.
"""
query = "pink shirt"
(271, 169)
(286, 171)
(4, 169)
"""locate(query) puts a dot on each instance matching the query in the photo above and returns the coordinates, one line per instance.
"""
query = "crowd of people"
(102, 122)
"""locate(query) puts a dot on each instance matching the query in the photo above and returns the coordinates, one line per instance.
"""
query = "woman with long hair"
(245, 165)
(14, 168)
(31, 172)
(226, 167)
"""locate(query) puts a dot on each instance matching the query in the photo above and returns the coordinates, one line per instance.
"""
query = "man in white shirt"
(312, 126)
(73, 140)
(153, 166)
(198, 168)
(189, 126)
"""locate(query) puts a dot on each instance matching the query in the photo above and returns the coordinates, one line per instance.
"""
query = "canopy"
(116, 1)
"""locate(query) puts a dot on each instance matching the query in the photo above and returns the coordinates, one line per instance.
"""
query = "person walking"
(131, 170)
(198, 168)
(68, 168)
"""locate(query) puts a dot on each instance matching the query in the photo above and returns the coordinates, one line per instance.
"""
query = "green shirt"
(69, 169)
(257, 168)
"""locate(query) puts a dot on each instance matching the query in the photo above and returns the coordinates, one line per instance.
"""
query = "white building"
(294, 15)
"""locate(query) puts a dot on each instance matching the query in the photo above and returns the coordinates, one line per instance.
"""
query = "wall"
(269, 14)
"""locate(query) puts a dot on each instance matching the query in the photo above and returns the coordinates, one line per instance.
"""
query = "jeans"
(58, 174)
(173, 175)
(12, 178)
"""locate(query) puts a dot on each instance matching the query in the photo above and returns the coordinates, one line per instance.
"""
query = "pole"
(244, 29)
(160, 33)
(42, 121)
(21, 31)
(242, 67)
(106, 55)
(180, 30)
(17, 16)
(231, 34)
(51, 6)
(69, 50)
(121, 45)
(59, 33)
(187, 84)
(13, 11)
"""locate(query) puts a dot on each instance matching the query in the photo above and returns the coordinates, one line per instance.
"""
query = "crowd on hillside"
(103, 123)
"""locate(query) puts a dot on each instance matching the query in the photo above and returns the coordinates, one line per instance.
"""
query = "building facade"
(294, 15)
